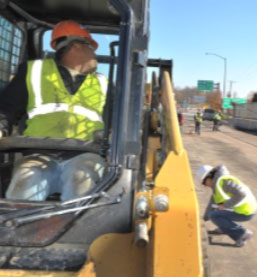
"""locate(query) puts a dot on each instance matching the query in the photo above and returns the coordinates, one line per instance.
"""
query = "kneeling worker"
(231, 201)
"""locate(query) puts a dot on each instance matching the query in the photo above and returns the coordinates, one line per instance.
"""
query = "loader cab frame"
(128, 208)
(129, 55)
(122, 143)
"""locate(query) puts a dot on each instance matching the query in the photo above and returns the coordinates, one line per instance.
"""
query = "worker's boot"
(242, 240)
(216, 231)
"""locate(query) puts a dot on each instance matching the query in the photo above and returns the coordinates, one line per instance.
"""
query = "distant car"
(208, 114)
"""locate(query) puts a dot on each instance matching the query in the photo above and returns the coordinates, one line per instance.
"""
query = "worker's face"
(86, 56)
(208, 182)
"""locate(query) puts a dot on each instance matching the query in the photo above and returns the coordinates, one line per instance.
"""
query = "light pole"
(230, 90)
(225, 71)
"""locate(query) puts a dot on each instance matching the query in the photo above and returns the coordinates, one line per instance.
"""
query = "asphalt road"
(238, 151)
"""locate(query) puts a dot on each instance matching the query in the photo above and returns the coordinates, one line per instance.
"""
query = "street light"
(230, 90)
(225, 71)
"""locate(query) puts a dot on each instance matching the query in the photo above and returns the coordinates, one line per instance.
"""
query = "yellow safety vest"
(217, 116)
(54, 112)
(246, 206)
(199, 119)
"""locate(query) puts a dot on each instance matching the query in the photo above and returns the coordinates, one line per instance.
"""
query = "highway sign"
(204, 85)
(227, 102)
(199, 99)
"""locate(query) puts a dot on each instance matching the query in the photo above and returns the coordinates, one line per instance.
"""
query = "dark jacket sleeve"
(13, 100)
(237, 192)
(208, 209)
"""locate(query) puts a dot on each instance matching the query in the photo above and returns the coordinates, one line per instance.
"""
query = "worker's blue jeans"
(197, 128)
(216, 124)
(225, 221)
(37, 176)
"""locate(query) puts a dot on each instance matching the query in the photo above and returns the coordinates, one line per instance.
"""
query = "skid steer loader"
(142, 219)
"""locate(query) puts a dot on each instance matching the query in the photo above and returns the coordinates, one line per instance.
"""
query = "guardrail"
(246, 111)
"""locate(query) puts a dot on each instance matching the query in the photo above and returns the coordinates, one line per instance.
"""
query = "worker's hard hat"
(70, 28)
(202, 172)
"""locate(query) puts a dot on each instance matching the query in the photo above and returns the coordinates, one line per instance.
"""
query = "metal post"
(225, 77)
(225, 72)
(230, 89)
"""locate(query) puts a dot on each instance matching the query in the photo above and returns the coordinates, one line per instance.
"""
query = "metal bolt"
(142, 207)
(161, 203)
(141, 235)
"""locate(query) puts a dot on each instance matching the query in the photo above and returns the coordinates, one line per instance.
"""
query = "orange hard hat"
(70, 28)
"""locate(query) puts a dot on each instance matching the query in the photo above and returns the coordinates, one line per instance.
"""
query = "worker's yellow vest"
(217, 117)
(246, 206)
(199, 119)
(54, 112)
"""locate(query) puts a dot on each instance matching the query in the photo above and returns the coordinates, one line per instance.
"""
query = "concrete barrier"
(244, 124)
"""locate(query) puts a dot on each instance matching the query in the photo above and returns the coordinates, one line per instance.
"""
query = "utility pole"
(230, 88)
(225, 71)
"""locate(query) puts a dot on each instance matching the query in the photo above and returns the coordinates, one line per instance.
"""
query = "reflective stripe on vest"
(246, 206)
(53, 107)
(36, 81)
(66, 115)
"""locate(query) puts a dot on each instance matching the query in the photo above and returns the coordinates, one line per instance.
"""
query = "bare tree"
(214, 100)
(186, 95)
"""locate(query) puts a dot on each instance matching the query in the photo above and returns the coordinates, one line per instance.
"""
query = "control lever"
(62, 209)
(28, 211)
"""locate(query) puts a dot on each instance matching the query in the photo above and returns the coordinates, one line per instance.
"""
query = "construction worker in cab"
(231, 201)
(62, 98)
(216, 121)
(198, 118)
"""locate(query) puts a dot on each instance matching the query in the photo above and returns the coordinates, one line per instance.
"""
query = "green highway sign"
(227, 102)
(204, 85)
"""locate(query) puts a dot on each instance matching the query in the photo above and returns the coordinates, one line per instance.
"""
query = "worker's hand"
(221, 207)
(206, 218)
(98, 135)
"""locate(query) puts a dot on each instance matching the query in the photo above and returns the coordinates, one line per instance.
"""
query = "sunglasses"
(90, 46)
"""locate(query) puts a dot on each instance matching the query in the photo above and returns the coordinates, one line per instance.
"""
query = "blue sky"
(184, 30)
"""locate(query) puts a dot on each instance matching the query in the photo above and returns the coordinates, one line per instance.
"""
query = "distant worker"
(198, 121)
(180, 118)
(216, 122)
(231, 201)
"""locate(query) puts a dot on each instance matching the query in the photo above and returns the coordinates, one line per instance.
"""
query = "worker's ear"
(209, 182)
